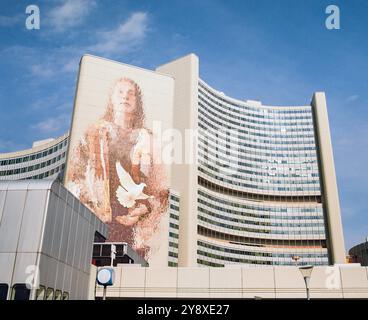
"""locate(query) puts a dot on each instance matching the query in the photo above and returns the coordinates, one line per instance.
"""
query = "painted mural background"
(111, 169)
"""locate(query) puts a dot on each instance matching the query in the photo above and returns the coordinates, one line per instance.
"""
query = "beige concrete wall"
(340, 281)
(329, 184)
(185, 72)
(193, 282)
(96, 80)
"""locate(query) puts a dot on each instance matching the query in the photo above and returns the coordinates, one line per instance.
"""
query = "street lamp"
(306, 272)
(295, 258)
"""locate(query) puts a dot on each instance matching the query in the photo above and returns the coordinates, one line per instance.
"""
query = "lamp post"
(306, 272)
(295, 258)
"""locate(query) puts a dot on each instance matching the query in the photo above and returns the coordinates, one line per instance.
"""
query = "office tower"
(189, 176)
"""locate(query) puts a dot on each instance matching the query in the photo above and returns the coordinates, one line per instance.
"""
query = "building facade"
(263, 190)
(46, 242)
(347, 281)
(46, 159)
(122, 254)
(359, 253)
(255, 185)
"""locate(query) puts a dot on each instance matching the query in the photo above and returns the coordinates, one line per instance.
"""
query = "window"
(96, 250)
(106, 250)
(65, 296)
(20, 292)
(50, 294)
(3, 291)
(40, 293)
(58, 295)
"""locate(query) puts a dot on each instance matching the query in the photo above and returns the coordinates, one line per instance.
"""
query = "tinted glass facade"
(259, 193)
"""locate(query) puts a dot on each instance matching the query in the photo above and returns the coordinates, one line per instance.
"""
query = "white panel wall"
(39, 229)
(247, 282)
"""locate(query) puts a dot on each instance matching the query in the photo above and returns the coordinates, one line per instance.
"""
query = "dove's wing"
(125, 198)
(126, 180)
(143, 196)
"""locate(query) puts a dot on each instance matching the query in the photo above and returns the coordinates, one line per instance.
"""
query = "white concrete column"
(185, 176)
(329, 184)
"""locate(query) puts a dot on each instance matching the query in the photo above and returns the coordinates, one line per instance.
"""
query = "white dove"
(128, 191)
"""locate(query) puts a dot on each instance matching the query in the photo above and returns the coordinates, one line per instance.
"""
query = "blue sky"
(278, 52)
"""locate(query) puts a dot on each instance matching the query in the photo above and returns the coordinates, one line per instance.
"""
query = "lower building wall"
(340, 281)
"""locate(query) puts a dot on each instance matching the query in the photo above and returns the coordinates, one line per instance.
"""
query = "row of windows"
(173, 244)
(290, 121)
(174, 198)
(261, 254)
(204, 114)
(238, 145)
(271, 172)
(33, 167)
(20, 291)
(174, 216)
(257, 239)
(299, 154)
(248, 135)
(268, 160)
(228, 135)
(261, 223)
(47, 173)
(174, 234)
(254, 109)
(262, 208)
(259, 231)
(250, 261)
(266, 183)
(174, 207)
(229, 172)
(261, 214)
(172, 264)
(34, 156)
(173, 254)
(174, 226)
(202, 262)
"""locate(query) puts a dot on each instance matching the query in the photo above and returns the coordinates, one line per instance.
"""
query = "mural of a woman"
(114, 172)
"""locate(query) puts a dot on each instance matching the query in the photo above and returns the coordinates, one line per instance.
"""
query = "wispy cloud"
(39, 70)
(69, 14)
(6, 21)
(52, 124)
(123, 38)
(10, 146)
(352, 98)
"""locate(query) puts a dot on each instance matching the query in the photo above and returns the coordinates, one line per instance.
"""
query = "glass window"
(50, 294)
(106, 250)
(65, 296)
(20, 292)
(58, 295)
(96, 250)
(40, 293)
(3, 291)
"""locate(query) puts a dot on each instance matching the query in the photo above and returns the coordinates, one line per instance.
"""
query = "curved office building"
(266, 190)
(259, 195)
(46, 159)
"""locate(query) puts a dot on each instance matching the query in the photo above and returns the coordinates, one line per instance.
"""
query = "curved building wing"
(263, 195)
(46, 159)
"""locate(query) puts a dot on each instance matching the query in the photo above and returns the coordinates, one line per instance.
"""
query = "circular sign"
(105, 276)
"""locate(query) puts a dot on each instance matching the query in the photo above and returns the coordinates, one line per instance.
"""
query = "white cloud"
(52, 124)
(10, 146)
(39, 70)
(6, 21)
(352, 98)
(123, 38)
(69, 14)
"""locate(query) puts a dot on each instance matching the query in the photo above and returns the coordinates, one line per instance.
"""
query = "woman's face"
(124, 101)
